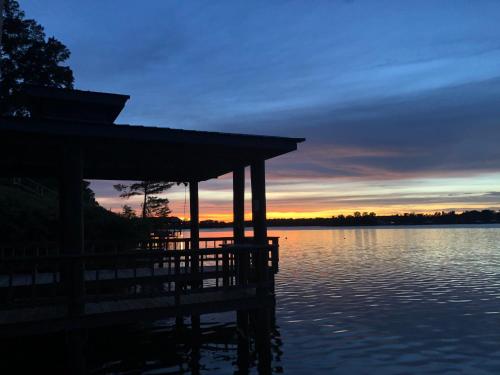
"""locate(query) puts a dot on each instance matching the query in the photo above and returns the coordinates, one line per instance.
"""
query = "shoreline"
(229, 225)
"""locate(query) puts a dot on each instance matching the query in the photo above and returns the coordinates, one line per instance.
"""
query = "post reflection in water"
(240, 342)
(250, 343)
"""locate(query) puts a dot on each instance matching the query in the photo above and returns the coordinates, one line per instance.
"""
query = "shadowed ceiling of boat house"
(84, 120)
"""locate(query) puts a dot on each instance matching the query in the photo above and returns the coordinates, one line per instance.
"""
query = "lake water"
(390, 300)
(398, 300)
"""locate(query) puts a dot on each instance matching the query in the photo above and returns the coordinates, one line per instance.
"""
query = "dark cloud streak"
(450, 130)
(384, 90)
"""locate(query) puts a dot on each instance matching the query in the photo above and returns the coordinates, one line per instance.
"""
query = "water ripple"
(390, 300)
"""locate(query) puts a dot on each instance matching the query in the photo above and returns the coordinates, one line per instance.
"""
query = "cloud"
(447, 131)
(383, 91)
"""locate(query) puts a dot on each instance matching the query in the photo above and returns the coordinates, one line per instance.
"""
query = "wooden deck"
(118, 288)
(101, 275)
(44, 319)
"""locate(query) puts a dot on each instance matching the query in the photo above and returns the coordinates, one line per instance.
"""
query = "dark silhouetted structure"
(71, 135)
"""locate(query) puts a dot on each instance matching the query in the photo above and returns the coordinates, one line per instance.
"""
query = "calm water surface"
(390, 300)
(406, 300)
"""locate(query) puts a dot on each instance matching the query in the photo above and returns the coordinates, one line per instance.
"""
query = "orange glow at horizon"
(380, 211)
(326, 198)
(222, 210)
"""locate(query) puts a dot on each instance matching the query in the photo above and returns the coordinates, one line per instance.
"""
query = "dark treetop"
(28, 57)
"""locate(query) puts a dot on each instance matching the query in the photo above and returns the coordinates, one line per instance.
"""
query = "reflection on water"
(348, 301)
(390, 301)
(160, 348)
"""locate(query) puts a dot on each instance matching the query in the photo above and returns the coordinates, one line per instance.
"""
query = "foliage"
(152, 205)
(370, 218)
(29, 217)
(28, 58)
(128, 212)
(103, 227)
(25, 216)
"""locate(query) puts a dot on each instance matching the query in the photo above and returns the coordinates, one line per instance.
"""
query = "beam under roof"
(125, 152)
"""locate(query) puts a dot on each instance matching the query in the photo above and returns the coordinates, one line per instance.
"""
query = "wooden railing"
(50, 279)
(35, 249)
(28, 249)
(204, 243)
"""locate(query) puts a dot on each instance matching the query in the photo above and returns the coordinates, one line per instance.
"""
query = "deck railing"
(49, 279)
(204, 243)
(35, 249)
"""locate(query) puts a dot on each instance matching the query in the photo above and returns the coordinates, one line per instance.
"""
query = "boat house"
(71, 135)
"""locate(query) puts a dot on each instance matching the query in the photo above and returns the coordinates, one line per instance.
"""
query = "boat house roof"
(32, 146)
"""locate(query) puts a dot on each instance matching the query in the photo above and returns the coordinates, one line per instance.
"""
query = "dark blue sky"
(399, 101)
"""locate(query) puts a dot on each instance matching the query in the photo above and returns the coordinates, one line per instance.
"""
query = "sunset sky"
(399, 101)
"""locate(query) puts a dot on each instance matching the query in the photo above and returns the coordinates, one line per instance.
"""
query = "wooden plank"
(41, 313)
(153, 310)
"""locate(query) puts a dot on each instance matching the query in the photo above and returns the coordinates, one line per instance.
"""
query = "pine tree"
(128, 212)
(152, 205)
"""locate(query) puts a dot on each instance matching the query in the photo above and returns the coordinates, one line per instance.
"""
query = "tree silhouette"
(152, 205)
(128, 212)
(27, 57)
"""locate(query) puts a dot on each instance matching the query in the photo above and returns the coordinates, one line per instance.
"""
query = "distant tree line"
(370, 218)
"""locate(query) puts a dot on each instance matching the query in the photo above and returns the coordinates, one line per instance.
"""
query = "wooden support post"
(239, 205)
(243, 349)
(225, 268)
(258, 172)
(242, 256)
(243, 260)
(71, 221)
(195, 325)
(194, 224)
(263, 340)
(194, 213)
(258, 175)
(195, 354)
